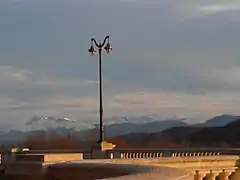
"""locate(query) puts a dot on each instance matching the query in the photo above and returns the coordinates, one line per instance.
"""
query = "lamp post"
(92, 50)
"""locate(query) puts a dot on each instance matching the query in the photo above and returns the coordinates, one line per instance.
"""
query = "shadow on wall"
(78, 171)
(238, 163)
(88, 171)
(98, 169)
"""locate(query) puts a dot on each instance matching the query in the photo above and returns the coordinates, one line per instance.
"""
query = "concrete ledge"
(165, 173)
(168, 168)
(62, 157)
(186, 163)
(24, 169)
(48, 158)
(127, 172)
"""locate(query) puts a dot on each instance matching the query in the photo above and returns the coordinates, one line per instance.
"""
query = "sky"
(170, 58)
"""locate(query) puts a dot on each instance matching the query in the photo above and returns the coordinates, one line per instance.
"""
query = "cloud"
(22, 87)
(169, 105)
(161, 104)
(170, 58)
(93, 82)
(230, 76)
(9, 73)
(188, 10)
(212, 9)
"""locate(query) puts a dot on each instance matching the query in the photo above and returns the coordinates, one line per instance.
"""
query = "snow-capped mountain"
(37, 119)
(117, 126)
(45, 122)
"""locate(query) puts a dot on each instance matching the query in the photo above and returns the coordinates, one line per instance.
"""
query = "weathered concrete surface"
(182, 168)
(42, 158)
(168, 168)
(126, 171)
(156, 173)
(186, 163)
(50, 158)
(89, 171)
(33, 163)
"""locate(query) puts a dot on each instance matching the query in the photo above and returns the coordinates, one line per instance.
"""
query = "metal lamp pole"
(93, 51)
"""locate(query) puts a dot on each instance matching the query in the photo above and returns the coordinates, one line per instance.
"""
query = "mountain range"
(154, 126)
(219, 121)
(37, 119)
(125, 126)
(189, 136)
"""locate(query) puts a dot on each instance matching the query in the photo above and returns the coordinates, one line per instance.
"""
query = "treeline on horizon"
(176, 137)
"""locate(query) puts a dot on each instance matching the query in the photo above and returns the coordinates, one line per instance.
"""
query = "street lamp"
(93, 51)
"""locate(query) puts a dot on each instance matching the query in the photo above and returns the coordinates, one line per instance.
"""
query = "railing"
(140, 155)
(128, 155)
(201, 163)
(201, 168)
(158, 153)
(146, 153)
(221, 175)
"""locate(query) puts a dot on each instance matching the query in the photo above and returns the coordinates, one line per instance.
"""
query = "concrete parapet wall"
(122, 171)
(169, 168)
(194, 168)
(188, 163)
(27, 164)
(52, 158)
(156, 153)
(43, 158)
(187, 166)
(156, 173)
(29, 158)
(24, 169)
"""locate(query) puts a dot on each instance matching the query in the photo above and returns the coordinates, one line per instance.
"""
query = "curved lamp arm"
(100, 45)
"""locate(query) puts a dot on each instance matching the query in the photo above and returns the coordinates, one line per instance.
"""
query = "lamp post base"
(104, 146)
(101, 149)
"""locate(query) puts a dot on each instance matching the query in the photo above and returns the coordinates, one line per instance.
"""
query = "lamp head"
(91, 50)
(108, 48)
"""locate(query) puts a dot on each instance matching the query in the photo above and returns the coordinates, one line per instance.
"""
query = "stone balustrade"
(218, 175)
(119, 154)
(202, 165)
(191, 168)
(201, 168)
(158, 153)
(140, 155)
(165, 175)
(189, 154)
(147, 153)
(128, 155)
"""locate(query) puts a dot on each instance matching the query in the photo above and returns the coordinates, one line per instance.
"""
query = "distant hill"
(118, 129)
(226, 136)
(150, 130)
(147, 127)
(111, 130)
(12, 137)
(220, 121)
(234, 125)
